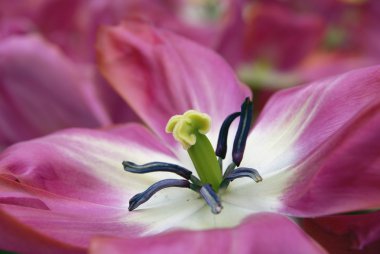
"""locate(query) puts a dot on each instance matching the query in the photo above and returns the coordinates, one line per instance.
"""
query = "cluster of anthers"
(190, 129)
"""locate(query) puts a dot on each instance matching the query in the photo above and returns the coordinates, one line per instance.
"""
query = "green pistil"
(205, 162)
(189, 129)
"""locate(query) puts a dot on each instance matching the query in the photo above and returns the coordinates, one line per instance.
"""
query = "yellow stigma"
(185, 127)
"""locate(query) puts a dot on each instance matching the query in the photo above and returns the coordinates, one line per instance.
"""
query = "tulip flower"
(314, 147)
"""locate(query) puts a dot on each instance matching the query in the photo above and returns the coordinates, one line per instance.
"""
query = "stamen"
(228, 171)
(157, 167)
(220, 161)
(195, 180)
(221, 147)
(142, 197)
(211, 198)
(244, 172)
(242, 132)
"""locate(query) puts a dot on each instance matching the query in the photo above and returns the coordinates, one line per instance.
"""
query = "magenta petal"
(161, 74)
(353, 233)
(346, 178)
(71, 186)
(17, 237)
(261, 233)
(85, 164)
(280, 37)
(41, 91)
(55, 220)
(335, 143)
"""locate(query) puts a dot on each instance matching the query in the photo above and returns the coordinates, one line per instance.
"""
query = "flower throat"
(190, 131)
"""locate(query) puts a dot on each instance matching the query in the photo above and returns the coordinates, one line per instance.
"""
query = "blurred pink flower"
(42, 90)
(48, 78)
(315, 147)
(286, 43)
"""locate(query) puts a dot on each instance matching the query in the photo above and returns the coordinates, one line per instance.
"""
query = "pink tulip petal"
(41, 91)
(161, 74)
(229, 43)
(356, 233)
(17, 237)
(343, 175)
(85, 164)
(116, 110)
(324, 138)
(261, 233)
(267, 24)
(57, 219)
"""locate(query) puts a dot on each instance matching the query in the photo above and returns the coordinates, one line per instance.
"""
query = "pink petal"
(356, 233)
(41, 91)
(261, 233)
(18, 238)
(85, 164)
(70, 186)
(161, 74)
(230, 43)
(55, 220)
(325, 135)
(299, 34)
